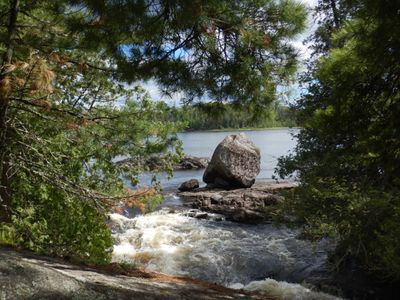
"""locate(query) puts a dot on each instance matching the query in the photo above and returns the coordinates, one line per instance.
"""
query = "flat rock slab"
(24, 275)
(245, 205)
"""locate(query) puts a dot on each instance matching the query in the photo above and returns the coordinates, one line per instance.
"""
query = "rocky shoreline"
(230, 176)
(26, 275)
(155, 163)
(245, 205)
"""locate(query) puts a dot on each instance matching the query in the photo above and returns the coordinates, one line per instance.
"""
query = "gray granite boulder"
(234, 164)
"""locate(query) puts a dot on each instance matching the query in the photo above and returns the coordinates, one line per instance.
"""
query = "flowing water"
(254, 257)
(234, 255)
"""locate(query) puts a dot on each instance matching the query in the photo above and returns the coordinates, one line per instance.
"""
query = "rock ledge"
(24, 275)
(245, 205)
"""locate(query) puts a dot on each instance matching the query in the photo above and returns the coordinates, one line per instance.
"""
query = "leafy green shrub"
(48, 221)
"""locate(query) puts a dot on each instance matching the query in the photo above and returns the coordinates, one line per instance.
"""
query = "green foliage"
(64, 122)
(347, 158)
(55, 224)
(364, 221)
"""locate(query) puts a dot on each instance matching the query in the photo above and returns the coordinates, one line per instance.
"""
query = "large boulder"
(234, 164)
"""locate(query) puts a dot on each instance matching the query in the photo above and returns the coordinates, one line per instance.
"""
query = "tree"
(347, 158)
(66, 112)
(227, 49)
(216, 115)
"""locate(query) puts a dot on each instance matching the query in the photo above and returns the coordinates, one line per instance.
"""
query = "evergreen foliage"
(347, 158)
(228, 50)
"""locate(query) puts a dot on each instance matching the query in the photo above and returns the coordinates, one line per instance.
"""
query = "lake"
(272, 143)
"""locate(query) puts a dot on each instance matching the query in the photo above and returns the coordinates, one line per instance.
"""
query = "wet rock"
(244, 215)
(198, 214)
(245, 205)
(191, 213)
(234, 164)
(216, 199)
(201, 215)
(189, 185)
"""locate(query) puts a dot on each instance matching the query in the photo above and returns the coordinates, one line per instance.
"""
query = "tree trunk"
(5, 86)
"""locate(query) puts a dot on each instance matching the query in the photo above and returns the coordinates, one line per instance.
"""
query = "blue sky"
(289, 94)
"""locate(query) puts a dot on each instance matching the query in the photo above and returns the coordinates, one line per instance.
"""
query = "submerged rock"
(189, 185)
(234, 164)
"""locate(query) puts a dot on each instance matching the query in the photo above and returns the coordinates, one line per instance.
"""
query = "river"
(254, 257)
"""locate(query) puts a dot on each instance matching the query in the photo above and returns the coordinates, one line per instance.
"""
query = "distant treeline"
(223, 116)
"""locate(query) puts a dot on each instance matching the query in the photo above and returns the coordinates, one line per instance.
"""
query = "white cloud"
(152, 88)
(304, 52)
(156, 94)
(311, 3)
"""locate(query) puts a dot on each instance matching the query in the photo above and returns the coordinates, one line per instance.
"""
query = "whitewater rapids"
(235, 255)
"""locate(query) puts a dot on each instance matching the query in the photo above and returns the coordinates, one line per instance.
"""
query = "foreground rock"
(245, 205)
(189, 185)
(24, 275)
(234, 164)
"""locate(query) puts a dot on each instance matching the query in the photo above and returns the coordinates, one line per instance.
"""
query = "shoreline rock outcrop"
(192, 163)
(246, 205)
(155, 163)
(234, 164)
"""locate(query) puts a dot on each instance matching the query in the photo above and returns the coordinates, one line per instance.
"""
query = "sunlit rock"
(234, 164)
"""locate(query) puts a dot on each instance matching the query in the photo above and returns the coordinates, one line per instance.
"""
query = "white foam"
(284, 290)
(120, 223)
(124, 251)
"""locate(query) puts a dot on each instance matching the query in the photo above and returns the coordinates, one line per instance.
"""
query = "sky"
(292, 92)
